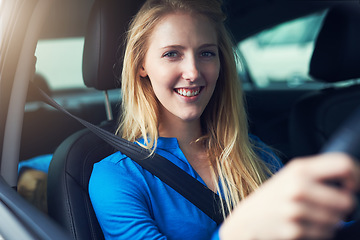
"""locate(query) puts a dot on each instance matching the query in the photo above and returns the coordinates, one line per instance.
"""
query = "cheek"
(212, 74)
(162, 85)
(162, 78)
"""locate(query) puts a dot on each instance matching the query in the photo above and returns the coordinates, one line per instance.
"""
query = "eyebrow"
(209, 45)
(182, 47)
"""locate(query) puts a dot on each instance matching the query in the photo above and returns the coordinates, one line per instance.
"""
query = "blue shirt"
(40, 163)
(131, 203)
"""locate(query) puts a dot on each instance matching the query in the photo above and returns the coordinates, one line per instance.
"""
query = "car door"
(19, 220)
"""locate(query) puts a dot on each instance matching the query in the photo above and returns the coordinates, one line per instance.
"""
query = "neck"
(186, 132)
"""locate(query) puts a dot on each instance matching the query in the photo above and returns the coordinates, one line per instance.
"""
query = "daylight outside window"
(59, 61)
(281, 55)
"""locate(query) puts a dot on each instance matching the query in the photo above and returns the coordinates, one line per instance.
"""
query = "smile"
(187, 92)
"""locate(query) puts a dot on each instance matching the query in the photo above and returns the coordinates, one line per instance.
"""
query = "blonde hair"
(234, 162)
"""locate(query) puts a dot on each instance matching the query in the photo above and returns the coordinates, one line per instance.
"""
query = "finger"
(306, 230)
(333, 166)
(328, 197)
(308, 188)
(315, 223)
(318, 216)
(318, 232)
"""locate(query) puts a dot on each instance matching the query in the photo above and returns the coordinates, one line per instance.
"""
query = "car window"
(59, 61)
(280, 56)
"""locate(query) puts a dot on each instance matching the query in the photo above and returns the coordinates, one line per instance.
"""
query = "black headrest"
(104, 42)
(336, 56)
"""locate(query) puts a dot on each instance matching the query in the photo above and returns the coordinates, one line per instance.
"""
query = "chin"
(190, 117)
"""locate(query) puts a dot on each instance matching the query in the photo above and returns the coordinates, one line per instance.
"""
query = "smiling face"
(182, 63)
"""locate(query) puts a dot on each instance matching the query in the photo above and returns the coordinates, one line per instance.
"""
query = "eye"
(171, 54)
(207, 54)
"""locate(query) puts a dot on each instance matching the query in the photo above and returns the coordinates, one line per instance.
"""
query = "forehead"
(184, 28)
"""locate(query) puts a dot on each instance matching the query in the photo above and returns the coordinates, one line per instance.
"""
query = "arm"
(121, 204)
(296, 203)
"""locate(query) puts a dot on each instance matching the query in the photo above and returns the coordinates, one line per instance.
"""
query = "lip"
(187, 92)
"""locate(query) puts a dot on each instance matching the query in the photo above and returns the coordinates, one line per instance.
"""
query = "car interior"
(333, 61)
(293, 121)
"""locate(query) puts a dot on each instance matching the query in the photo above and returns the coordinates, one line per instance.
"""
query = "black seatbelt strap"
(194, 191)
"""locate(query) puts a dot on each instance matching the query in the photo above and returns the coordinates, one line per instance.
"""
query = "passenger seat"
(336, 59)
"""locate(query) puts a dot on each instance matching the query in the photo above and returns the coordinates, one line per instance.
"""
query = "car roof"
(261, 13)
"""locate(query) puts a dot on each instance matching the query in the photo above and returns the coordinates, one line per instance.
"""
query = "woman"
(182, 100)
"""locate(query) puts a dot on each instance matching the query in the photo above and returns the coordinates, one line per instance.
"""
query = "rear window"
(280, 56)
(59, 61)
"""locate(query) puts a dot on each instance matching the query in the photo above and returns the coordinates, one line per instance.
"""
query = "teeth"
(187, 93)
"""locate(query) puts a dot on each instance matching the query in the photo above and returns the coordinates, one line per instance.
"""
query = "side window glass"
(279, 57)
(59, 61)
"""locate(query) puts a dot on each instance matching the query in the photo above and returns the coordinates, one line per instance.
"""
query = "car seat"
(70, 169)
(335, 59)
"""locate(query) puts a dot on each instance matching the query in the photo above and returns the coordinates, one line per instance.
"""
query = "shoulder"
(119, 194)
(266, 153)
(116, 166)
(116, 172)
(117, 163)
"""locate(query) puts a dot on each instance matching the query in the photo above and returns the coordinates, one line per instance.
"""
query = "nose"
(191, 70)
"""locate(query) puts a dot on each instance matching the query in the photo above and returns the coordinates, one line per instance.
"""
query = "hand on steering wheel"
(347, 140)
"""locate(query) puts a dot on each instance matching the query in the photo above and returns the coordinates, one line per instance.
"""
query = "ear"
(143, 72)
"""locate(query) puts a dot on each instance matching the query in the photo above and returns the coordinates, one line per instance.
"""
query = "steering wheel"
(347, 140)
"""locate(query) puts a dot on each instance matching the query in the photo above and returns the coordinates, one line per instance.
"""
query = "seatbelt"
(194, 191)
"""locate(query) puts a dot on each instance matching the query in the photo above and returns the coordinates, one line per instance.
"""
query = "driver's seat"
(70, 169)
